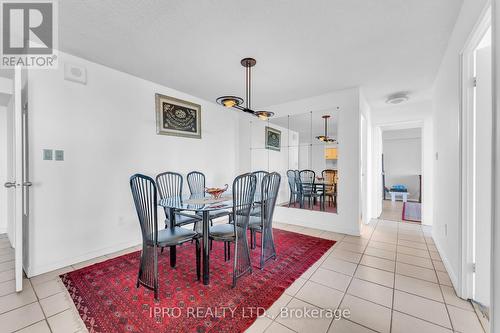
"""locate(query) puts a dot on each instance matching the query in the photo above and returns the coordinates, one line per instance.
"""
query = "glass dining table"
(203, 205)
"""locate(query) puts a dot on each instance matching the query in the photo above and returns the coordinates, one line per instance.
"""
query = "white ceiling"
(303, 48)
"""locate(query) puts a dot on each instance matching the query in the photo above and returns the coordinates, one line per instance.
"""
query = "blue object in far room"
(399, 188)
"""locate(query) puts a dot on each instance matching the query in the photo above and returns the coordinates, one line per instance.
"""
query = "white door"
(17, 183)
(483, 177)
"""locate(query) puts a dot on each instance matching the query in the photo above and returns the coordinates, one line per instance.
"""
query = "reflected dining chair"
(308, 189)
(145, 198)
(236, 233)
(292, 184)
(264, 223)
(298, 186)
(330, 177)
(170, 185)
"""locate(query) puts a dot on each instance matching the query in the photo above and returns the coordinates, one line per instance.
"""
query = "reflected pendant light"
(326, 138)
(236, 102)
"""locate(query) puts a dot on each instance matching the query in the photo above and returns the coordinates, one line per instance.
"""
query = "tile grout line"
(394, 281)
(352, 278)
(442, 295)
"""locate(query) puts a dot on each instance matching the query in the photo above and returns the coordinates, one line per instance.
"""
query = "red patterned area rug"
(107, 299)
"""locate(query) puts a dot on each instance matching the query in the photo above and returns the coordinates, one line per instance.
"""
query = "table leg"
(405, 197)
(206, 249)
(173, 249)
(393, 197)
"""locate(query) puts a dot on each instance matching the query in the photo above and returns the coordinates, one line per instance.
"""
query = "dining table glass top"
(200, 202)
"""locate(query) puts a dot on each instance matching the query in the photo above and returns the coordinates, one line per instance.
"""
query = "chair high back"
(196, 182)
(243, 196)
(259, 176)
(269, 192)
(307, 178)
(290, 174)
(169, 184)
(298, 183)
(144, 193)
(330, 176)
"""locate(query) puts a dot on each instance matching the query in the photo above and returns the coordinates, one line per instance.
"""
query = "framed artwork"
(177, 117)
(273, 139)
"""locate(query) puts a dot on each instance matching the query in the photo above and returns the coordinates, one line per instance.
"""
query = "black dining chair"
(308, 189)
(236, 233)
(264, 223)
(292, 184)
(144, 194)
(196, 184)
(298, 187)
(170, 186)
(259, 175)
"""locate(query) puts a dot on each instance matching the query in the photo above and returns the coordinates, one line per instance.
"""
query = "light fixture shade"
(263, 115)
(229, 101)
(326, 138)
(236, 102)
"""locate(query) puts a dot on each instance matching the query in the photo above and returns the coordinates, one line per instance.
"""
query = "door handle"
(9, 184)
(27, 184)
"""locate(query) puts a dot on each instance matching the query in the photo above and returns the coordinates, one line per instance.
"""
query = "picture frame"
(273, 139)
(177, 117)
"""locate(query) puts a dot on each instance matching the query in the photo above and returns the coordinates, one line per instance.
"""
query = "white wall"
(408, 115)
(82, 207)
(447, 228)
(366, 151)
(3, 169)
(347, 219)
(495, 288)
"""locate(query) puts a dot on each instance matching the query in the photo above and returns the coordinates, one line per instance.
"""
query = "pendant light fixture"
(326, 138)
(236, 102)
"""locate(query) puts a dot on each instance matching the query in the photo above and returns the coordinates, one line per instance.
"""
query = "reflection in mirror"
(303, 149)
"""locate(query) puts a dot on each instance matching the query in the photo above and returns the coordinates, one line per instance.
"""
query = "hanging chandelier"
(326, 138)
(236, 102)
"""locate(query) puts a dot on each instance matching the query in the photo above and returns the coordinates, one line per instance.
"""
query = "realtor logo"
(29, 36)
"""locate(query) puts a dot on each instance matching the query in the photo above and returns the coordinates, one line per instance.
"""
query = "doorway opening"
(402, 174)
(476, 167)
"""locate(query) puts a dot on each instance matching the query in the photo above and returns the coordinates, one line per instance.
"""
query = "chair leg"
(228, 250)
(251, 239)
(198, 261)
(225, 251)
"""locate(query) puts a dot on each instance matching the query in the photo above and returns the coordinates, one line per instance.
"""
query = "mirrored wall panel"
(304, 149)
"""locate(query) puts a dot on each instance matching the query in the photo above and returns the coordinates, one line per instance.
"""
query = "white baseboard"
(321, 226)
(37, 270)
(3, 231)
(452, 274)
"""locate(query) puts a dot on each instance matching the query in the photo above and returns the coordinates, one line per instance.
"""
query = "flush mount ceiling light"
(326, 138)
(397, 98)
(236, 102)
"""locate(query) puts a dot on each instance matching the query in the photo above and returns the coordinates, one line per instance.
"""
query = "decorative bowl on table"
(216, 192)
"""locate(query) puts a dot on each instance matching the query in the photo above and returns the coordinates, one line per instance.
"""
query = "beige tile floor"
(392, 211)
(391, 278)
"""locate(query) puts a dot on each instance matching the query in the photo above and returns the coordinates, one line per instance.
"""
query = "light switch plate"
(59, 155)
(47, 154)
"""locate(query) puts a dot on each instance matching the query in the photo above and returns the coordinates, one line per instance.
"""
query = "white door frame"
(466, 154)
(375, 195)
